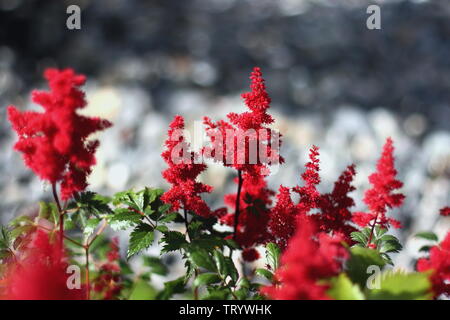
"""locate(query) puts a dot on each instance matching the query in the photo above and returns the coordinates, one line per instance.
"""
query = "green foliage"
(141, 238)
(401, 286)
(384, 243)
(273, 254)
(427, 236)
(341, 288)
(360, 260)
(171, 288)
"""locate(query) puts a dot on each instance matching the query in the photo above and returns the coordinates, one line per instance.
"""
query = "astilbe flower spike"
(182, 173)
(232, 143)
(382, 195)
(282, 218)
(309, 195)
(310, 257)
(54, 143)
(439, 265)
(40, 272)
(335, 214)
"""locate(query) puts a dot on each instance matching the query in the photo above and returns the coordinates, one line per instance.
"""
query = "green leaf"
(141, 238)
(220, 263)
(360, 260)
(341, 288)
(91, 225)
(230, 269)
(156, 265)
(220, 293)
(427, 235)
(273, 253)
(264, 273)
(359, 237)
(5, 238)
(171, 288)
(142, 290)
(169, 217)
(124, 219)
(173, 240)
(201, 258)
(401, 286)
(206, 278)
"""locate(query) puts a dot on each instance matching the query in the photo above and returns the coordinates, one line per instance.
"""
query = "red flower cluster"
(382, 196)
(334, 216)
(255, 201)
(183, 172)
(445, 212)
(282, 218)
(40, 273)
(248, 145)
(54, 143)
(311, 256)
(439, 264)
(107, 282)
(309, 196)
(245, 142)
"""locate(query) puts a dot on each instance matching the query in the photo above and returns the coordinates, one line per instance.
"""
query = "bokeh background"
(333, 83)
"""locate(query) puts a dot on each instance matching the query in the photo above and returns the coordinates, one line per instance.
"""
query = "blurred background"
(333, 83)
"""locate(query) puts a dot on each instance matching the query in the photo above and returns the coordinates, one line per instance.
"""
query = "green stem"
(238, 202)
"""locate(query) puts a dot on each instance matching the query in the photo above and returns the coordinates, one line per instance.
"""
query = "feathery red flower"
(282, 218)
(54, 143)
(309, 195)
(309, 258)
(40, 273)
(245, 142)
(254, 210)
(445, 212)
(183, 172)
(382, 195)
(439, 264)
(335, 215)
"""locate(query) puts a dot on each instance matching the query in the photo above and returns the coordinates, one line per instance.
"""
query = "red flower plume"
(40, 273)
(183, 172)
(54, 143)
(382, 195)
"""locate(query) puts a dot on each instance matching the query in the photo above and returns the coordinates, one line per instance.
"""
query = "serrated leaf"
(264, 273)
(169, 217)
(273, 253)
(5, 238)
(359, 237)
(341, 288)
(173, 240)
(206, 279)
(201, 258)
(427, 235)
(141, 238)
(124, 219)
(401, 286)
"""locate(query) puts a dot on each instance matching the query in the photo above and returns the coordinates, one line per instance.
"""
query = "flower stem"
(372, 230)
(238, 202)
(88, 285)
(61, 215)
